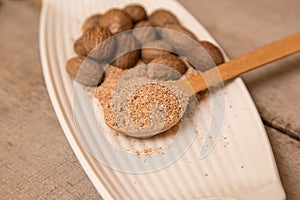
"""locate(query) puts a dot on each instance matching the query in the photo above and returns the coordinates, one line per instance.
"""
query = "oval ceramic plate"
(241, 165)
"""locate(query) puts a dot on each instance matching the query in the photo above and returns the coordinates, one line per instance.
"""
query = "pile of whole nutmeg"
(123, 38)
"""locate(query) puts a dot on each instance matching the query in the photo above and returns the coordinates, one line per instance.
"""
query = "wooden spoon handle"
(247, 62)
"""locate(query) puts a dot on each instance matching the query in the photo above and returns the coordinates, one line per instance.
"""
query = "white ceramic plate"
(241, 166)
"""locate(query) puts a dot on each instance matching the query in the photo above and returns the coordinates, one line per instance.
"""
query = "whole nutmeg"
(204, 55)
(143, 33)
(91, 22)
(171, 61)
(162, 17)
(79, 48)
(181, 39)
(116, 21)
(127, 49)
(85, 70)
(101, 38)
(136, 12)
(154, 49)
(169, 35)
(213, 51)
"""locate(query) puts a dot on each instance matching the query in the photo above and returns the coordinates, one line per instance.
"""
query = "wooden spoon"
(231, 69)
(242, 64)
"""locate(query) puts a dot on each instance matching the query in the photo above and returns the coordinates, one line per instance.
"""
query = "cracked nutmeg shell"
(162, 17)
(136, 12)
(155, 49)
(101, 38)
(85, 70)
(116, 21)
(128, 49)
(91, 22)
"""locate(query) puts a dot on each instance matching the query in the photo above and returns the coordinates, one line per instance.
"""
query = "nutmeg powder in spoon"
(153, 103)
(146, 106)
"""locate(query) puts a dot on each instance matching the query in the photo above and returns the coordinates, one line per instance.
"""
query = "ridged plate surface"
(241, 166)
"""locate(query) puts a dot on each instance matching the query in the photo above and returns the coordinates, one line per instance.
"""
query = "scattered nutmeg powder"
(104, 93)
